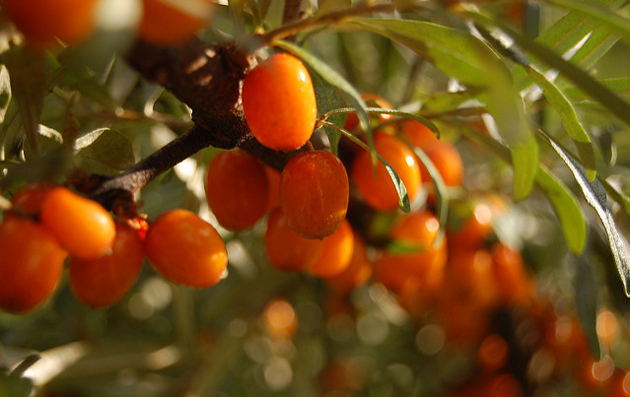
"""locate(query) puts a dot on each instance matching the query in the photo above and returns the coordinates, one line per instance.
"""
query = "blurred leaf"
(619, 85)
(334, 79)
(51, 166)
(569, 117)
(106, 147)
(587, 302)
(28, 74)
(326, 6)
(5, 92)
(467, 59)
(11, 386)
(596, 197)
(612, 18)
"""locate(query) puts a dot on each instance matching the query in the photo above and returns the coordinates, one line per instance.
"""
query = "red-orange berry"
(237, 189)
(418, 134)
(31, 264)
(358, 271)
(279, 102)
(447, 161)
(29, 199)
(82, 226)
(314, 193)
(168, 22)
(336, 253)
(104, 281)
(186, 249)
(377, 189)
(286, 249)
(44, 21)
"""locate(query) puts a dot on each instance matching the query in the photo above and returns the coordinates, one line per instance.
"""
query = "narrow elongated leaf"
(333, 78)
(470, 61)
(610, 17)
(570, 120)
(595, 195)
(620, 85)
(329, 98)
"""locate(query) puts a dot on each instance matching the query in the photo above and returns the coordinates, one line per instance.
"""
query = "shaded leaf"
(569, 117)
(596, 197)
(106, 147)
(587, 302)
(469, 60)
(328, 98)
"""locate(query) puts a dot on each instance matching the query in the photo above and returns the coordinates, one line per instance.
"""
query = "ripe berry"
(279, 102)
(186, 249)
(29, 199)
(82, 226)
(356, 273)
(418, 134)
(31, 264)
(237, 189)
(371, 100)
(378, 189)
(314, 193)
(44, 21)
(104, 281)
(168, 22)
(286, 249)
(448, 162)
(336, 253)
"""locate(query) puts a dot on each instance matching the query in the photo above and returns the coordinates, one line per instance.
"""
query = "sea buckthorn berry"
(418, 134)
(371, 100)
(273, 179)
(104, 281)
(237, 189)
(171, 22)
(286, 249)
(448, 162)
(29, 199)
(31, 264)
(470, 276)
(44, 21)
(378, 189)
(186, 249)
(424, 261)
(513, 282)
(82, 226)
(314, 193)
(470, 224)
(358, 271)
(336, 252)
(279, 102)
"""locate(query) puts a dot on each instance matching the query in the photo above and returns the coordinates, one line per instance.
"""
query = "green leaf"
(328, 98)
(334, 79)
(28, 74)
(107, 148)
(566, 208)
(469, 60)
(612, 18)
(569, 118)
(587, 301)
(595, 195)
(619, 85)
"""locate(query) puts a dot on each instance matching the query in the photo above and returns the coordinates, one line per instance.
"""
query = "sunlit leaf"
(595, 195)
(106, 147)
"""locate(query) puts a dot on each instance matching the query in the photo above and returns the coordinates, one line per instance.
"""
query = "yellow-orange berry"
(237, 189)
(44, 21)
(104, 281)
(82, 226)
(336, 253)
(279, 102)
(186, 249)
(314, 193)
(169, 22)
(31, 264)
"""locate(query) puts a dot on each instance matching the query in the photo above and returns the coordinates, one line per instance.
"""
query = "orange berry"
(31, 264)
(448, 162)
(492, 353)
(356, 273)
(513, 283)
(273, 179)
(82, 226)
(279, 102)
(286, 249)
(336, 252)
(186, 249)
(104, 281)
(472, 229)
(44, 21)
(419, 231)
(237, 189)
(314, 193)
(470, 277)
(371, 100)
(378, 189)
(169, 22)
(280, 318)
(29, 199)
(418, 134)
